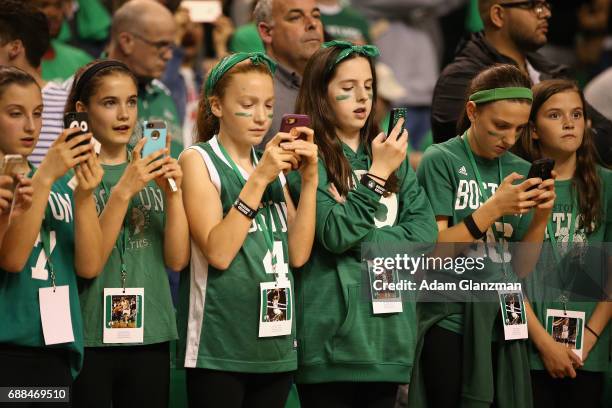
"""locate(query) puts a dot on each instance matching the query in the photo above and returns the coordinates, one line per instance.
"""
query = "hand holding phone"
(14, 165)
(156, 133)
(294, 120)
(396, 114)
(541, 168)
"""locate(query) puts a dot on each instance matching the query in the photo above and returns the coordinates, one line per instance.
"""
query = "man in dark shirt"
(514, 31)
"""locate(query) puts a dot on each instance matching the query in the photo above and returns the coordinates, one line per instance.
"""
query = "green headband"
(497, 94)
(348, 48)
(230, 61)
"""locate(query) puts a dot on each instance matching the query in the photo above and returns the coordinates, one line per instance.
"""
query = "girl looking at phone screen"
(237, 306)
(367, 193)
(582, 215)
(470, 183)
(128, 311)
(53, 235)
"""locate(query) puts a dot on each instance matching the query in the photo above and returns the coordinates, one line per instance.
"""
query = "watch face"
(371, 184)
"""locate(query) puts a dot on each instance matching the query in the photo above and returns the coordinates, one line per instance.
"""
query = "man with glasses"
(513, 32)
(142, 36)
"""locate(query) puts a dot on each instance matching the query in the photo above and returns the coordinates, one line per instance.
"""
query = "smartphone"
(155, 132)
(203, 11)
(541, 168)
(291, 120)
(14, 165)
(396, 114)
(78, 120)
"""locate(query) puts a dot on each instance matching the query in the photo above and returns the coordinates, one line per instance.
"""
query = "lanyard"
(564, 298)
(265, 225)
(124, 237)
(484, 195)
(46, 244)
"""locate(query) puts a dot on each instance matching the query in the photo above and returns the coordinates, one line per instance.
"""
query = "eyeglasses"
(540, 7)
(160, 46)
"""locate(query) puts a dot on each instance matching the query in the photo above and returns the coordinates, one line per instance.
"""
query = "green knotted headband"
(497, 94)
(230, 61)
(349, 48)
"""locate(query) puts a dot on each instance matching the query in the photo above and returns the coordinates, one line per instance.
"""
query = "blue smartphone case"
(155, 132)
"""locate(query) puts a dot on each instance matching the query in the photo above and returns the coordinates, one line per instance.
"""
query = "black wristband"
(244, 209)
(372, 185)
(473, 228)
(592, 331)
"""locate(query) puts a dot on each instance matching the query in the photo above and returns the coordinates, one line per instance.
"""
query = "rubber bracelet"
(473, 228)
(376, 177)
(592, 331)
(244, 209)
(372, 185)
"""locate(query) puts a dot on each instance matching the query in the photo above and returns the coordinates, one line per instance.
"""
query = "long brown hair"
(207, 124)
(497, 76)
(312, 100)
(10, 75)
(586, 181)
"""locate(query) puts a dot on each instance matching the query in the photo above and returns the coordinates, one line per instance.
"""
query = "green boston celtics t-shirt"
(447, 176)
(19, 305)
(543, 289)
(347, 25)
(144, 258)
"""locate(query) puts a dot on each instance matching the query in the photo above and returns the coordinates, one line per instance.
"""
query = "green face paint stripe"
(492, 133)
(244, 114)
(371, 95)
(270, 116)
(342, 97)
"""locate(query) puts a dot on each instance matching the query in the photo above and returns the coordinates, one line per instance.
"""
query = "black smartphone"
(78, 120)
(396, 114)
(541, 168)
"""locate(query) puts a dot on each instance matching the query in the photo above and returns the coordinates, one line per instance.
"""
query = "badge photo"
(276, 309)
(384, 300)
(514, 317)
(567, 328)
(123, 315)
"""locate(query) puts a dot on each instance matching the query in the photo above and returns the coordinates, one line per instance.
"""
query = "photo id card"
(514, 316)
(55, 315)
(567, 328)
(123, 315)
(384, 299)
(276, 309)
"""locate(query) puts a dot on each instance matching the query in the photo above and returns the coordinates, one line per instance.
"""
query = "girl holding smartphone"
(582, 215)
(129, 318)
(479, 196)
(237, 301)
(350, 354)
(53, 235)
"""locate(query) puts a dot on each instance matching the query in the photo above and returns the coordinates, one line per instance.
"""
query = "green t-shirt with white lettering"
(144, 258)
(19, 300)
(447, 176)
(548, 282)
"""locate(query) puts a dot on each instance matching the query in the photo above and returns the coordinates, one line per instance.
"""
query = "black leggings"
(34, 367)
(441, 361)
(215, 388)
(584, 391)
(126, 376)
(348, 395)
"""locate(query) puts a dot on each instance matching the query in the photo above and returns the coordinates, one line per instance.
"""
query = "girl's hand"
(171, 170)
(511, 199)
(6, 195)
(388, 154)
(23, 196)
(64, 155)
(559, 360)
(89, 175)
(307, 152)
(546, 198)
(276, 159)
(140, 171)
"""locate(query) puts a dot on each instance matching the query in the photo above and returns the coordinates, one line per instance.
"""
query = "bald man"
(142, 36)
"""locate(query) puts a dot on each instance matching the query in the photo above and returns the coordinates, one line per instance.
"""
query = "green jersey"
(144, 259)
(347, 24)
(339, 336)
(447, 176)
(19, 301)
(553, 286)
(219, 310)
